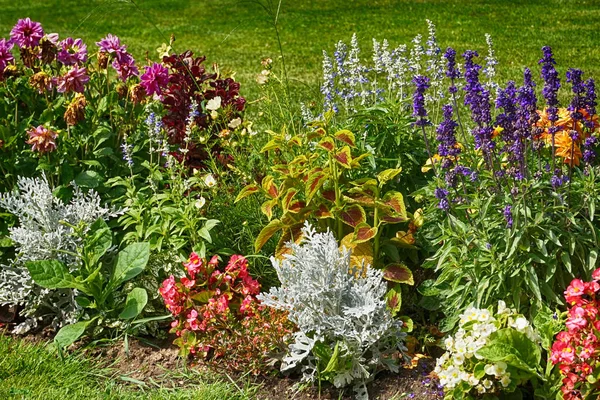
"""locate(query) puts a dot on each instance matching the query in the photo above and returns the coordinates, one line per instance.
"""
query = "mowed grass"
(33, 372)
(237, 34)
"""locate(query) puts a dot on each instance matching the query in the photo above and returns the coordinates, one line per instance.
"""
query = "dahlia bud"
(102, 60)
(76, 110)
(29, 56)
(122, 90)
(48, 50)
(41, 81)
(137, 93)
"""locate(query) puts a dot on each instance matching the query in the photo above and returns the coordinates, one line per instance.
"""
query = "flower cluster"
(575, 350)
(463, 365)
(214, 306)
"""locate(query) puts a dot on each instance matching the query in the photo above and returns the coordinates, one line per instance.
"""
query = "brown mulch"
(146, 363)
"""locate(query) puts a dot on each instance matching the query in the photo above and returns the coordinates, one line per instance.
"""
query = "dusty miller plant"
(46, 231)
(346, 332)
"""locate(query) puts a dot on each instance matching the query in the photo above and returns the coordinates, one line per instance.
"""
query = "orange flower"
(563, 143)
(42, 139)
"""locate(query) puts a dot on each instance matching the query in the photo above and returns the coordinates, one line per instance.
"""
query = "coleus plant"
(318, 176)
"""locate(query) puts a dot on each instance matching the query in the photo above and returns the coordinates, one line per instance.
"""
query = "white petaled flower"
(480, 389)
(459, 359)
(505, 380)
(234, 123)
(200, 202)
(487, 383)
(214, 104)
(209, 180)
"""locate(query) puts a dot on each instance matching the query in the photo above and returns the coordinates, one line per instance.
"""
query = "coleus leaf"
(267, 207)
(266, 233)
(343, 157)
(404, 239)
(353, 215)
(364, 232)
(361, 253)
(247, 191)
(295, 141)
(314, 183)
(329, 194)
(268, 185)
(385, 176)
(395, 201)
(393, 299)
(356, 161)
(287, 198)
(327, 143)
(323, 212)
(361, 198)
(291, 234)
(283, 169)
(296, 206)
(398, 273)
(346, 136)
(273, 144)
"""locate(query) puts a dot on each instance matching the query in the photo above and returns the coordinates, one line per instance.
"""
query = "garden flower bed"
(421, 229)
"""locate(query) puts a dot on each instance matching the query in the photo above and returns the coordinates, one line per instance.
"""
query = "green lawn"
(237, 34)
(33, 372)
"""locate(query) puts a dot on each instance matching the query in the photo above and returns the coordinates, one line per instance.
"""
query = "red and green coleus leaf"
(266, 233)
(268, 185)
(353, 215)
(267, 207)
(393, 299)
(295, 141)
(327, 143)
(393, 206)
(361, 253)
(283, 169)
(314, 182)
(344, 157)
(346, 136)
(323, 212)
(247, 191)
(363, 233)
(385, 176)
(362, 196)
(328, 194)
(296, 206)
(273, 144)
(356, 161)
(287, 198)
(398, 273)
(290, 234)
(404, 239)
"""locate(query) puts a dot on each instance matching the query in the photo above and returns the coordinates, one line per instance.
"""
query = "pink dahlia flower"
(72, 51)
(27, 33)
(154, 79)
(6, 56)
(125, 66)
(73, 81)
(111, 44)
(42, 140)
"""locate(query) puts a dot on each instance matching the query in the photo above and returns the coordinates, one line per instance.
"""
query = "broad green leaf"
(407, 324)
(514, 348)
(88, 179)
(98, 241)
(332, 365)
(135, 303)
(51, 274)
(67, 335)
(131, 262)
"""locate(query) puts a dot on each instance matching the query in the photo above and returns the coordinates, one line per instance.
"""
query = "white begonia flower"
(200, 202)
(459, 359)
(214, 114)
(235, 123)
(214, 104)
(520, 324)
(500, 368)
(487, 383)
(449, 342)
(473, 381)
(505, 380)
(502, 308)
(485, 316)
(480, 389)
(209, 180)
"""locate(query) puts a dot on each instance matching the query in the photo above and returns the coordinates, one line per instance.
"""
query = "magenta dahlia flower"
(154, 79)
(73, 81)
(6, 56)
(125, 66)
(72, 51)
(111, 44)
(27, 33)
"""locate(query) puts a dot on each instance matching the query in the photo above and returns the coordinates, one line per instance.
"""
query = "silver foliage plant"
(45, 231)
(334, 304)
